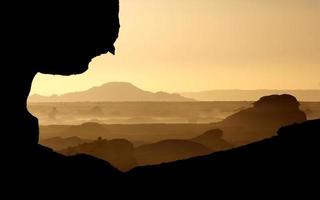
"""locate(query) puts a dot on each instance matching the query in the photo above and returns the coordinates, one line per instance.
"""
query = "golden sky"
(192, 45)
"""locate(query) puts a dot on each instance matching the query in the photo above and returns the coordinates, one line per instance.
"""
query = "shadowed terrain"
(250, 124)
(55, 38)
(168, 151)
(293, 149)
(118, 152)
(174, 144)
(62, 39)
(213, 139)
(261, 121)
(58, 143)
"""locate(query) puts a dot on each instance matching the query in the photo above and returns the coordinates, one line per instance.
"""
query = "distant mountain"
(113, 91)
(250, 95)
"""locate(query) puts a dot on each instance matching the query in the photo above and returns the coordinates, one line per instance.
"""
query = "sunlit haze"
(189, 45)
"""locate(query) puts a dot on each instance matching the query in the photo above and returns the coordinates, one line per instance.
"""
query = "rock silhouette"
(293, 149)
(266, 116)
(55, 44)
(62, 39)
(247, 125)
(213, 140)
(168, 151)
(268, 110)
(121, 153)
(118, 152)
(70, 37)
(58, 143)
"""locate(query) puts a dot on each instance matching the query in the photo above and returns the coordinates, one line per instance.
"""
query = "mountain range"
(113, 91)
(127, 92)
(250, 95)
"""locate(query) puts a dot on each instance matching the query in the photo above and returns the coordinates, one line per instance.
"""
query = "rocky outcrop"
(118, 152)
(263, 119)
(59, 143)
(292, 154)
(212, 139)
(168, 151)
(274, 110)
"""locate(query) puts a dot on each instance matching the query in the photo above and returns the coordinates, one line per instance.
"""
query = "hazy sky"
(191, 45)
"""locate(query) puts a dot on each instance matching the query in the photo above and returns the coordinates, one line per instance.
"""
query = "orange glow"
(177, 46)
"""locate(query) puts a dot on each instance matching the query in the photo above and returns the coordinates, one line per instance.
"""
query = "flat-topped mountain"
(113, 91)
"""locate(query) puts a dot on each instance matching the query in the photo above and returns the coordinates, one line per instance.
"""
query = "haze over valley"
(136, 133)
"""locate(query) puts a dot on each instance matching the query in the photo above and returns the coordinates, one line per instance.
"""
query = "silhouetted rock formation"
(121, 154)
(118, 152)
(291, 155)
(263, 119)
(59, 38)
(53, 44)
(46, 168)
(280, 109)
(168, 151)
(59, 143)
(213, 140)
